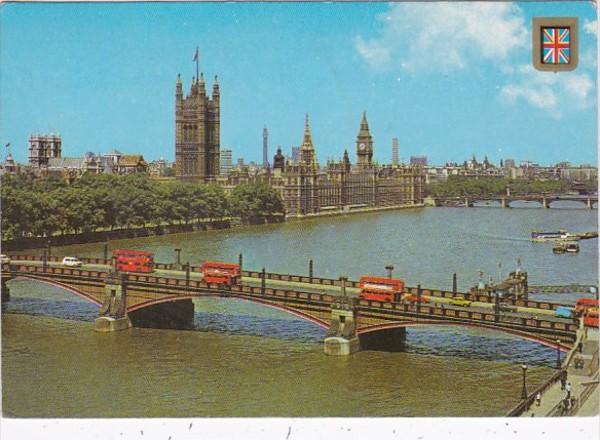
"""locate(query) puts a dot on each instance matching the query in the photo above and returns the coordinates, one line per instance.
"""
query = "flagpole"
(197, 65)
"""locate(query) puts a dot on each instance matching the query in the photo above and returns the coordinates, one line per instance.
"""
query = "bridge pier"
(503, 202)
(544, 203)
(342, 338)
(589, 203)
(113, 314)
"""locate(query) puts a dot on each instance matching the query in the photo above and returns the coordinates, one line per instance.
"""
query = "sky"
(449, 80)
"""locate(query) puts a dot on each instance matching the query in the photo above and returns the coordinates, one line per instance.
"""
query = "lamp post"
(343, 280)
(177, 258)
(524, 389)
(558, 362)
(389, 269)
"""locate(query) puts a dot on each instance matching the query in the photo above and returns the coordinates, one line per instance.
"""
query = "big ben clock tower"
(364, 144)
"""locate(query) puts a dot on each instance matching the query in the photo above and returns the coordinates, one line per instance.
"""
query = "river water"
(242, 359)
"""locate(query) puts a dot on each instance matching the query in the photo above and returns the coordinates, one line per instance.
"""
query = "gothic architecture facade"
(308, 189)
(197, 131)
(44, 147)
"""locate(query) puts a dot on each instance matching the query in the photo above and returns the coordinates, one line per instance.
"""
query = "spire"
(215, 88)
(364, 126)
(307, 141)
(178, 86)
(202, 89)
(307, 151)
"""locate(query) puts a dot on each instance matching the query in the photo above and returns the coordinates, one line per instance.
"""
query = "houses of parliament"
(306, 188)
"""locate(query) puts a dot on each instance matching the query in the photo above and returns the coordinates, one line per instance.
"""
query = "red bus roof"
(587, 302)
(220, 265)
(382, 280)
(130, 252)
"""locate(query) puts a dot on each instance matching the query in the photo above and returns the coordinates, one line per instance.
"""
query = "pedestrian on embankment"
(568, 390)
(538, 399)
(563, 379)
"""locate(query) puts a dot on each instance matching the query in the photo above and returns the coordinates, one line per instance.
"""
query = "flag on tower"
(196, 55)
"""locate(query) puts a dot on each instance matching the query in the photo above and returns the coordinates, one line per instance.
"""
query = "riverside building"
(308, 189)
(197, 131)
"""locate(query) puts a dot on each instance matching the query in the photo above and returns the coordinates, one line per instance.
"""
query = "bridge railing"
(544, 305)
(223, 289)
(568, 330)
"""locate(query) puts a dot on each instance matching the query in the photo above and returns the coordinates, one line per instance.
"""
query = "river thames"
(245, 360)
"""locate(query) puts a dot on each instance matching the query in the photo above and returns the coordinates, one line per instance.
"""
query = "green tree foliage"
(457, 186)
(48, 206)
(255, 200)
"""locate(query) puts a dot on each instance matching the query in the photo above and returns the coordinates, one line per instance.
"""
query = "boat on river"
(570, 247)
(561, 234)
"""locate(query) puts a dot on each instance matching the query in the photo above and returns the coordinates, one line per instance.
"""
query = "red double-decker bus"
(588, 308)
(221, 273)
(380, 288)
(133, 261)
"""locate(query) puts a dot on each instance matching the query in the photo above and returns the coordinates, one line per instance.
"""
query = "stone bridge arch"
(88, 296)
(538, 338)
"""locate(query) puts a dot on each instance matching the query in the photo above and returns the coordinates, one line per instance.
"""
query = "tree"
(255, 200)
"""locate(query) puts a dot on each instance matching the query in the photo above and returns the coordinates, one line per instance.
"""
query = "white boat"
(572, 247)
(561, 234)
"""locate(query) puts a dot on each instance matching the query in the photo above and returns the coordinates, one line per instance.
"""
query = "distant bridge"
(544, 200)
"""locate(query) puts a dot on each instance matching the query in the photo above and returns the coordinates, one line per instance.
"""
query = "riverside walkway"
(582, 374)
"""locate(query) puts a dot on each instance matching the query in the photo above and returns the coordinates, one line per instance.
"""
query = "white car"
(71, 262)
(4, 259)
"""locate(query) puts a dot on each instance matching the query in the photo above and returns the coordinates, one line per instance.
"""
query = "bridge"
(544, 200)
(164, 299)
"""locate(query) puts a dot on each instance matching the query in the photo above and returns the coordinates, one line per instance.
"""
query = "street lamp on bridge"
(178, 258)
(524, 389)
(558, 362)
(389, 269)
(343, 280)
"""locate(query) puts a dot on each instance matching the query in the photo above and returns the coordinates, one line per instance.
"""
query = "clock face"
(361, 146)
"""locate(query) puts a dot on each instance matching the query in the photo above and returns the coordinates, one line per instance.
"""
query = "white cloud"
(549, 91)
(444, 36)
(591, 27)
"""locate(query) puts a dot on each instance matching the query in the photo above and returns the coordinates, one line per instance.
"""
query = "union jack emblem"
(556, 45)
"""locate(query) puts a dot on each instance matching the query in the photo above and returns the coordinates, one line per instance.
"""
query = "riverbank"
(135, 232)
(157, 230)
(349, 210)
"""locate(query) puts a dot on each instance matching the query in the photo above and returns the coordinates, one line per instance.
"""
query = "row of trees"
(48, 206)
(463, 186)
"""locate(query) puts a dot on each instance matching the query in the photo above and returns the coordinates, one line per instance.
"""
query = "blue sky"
(103, 76)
